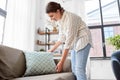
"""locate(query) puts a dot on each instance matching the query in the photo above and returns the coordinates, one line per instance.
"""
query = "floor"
(101, 79)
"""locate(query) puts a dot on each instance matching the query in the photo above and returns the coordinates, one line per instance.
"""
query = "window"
(97, 43)
(93, 12)
(110, 12)
(103, 19)
(2, 19)
(108, 31)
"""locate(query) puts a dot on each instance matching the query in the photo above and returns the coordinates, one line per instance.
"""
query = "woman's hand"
(59, 66)
(55, 46)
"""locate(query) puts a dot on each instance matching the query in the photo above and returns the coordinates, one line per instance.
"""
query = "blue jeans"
(79, 60)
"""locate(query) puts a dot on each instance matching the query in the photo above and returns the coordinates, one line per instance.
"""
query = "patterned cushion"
(39, 63)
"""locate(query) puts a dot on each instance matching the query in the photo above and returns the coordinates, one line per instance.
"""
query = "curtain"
(20, 24)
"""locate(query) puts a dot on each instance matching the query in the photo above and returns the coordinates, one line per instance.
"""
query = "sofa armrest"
(66, 66)
(12, 62)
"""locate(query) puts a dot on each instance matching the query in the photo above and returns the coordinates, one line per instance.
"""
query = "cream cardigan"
(73, 31)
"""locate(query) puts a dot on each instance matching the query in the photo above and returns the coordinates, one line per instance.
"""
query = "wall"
(40, 21)
(101, 70)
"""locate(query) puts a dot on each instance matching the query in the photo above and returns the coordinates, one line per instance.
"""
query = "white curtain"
(20, 24)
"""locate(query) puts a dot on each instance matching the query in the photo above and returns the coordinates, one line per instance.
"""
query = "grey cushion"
(12, 62)
(57, 76)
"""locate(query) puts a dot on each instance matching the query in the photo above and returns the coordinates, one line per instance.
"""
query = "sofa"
(115, 60)
(13, 67)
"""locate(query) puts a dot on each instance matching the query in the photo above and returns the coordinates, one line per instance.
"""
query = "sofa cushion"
(39, 63)
(66, 66)
(10, 58)
(57, 76)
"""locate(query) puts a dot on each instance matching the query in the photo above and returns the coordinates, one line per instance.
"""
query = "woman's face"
(55, 15)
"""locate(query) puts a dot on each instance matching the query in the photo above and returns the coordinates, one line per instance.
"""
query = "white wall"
(101, 70)
(40, 20)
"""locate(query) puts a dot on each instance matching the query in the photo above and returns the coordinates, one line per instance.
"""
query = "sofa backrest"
(12, 62)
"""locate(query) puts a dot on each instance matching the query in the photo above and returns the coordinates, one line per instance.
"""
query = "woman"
(76, 36)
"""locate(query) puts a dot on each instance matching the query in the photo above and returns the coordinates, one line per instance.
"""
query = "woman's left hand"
(59, 66)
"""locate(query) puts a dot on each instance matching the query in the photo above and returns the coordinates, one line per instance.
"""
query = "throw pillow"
(39, 63)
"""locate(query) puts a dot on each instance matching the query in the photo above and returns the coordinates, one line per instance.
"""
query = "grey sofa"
(13, 66)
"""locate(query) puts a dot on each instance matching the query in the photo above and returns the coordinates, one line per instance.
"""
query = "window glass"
(92, 12)
(97, 50)
(108, 32)
(110, 11)
(115, 31)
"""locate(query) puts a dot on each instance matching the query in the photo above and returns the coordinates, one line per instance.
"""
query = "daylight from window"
(104, 21)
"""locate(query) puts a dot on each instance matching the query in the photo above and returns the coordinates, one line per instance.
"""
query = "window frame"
(102, 26)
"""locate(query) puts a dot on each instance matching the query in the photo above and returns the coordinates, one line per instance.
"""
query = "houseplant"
(115, 41)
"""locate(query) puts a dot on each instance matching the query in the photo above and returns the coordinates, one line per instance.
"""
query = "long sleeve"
(71, 33)
(61, 36)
